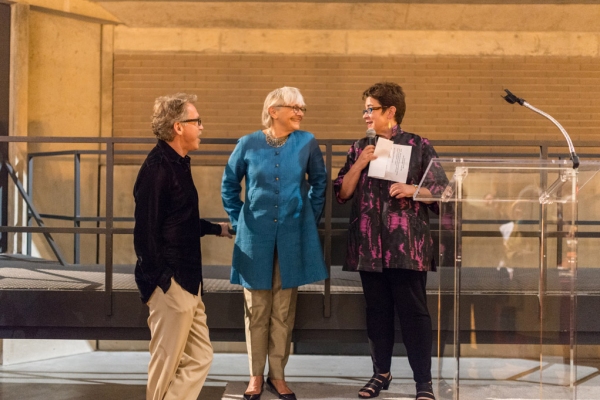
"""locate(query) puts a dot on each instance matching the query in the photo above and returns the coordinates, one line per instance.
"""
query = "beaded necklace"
(275, 141)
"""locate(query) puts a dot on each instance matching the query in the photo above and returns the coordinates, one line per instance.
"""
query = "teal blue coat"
(283, 201)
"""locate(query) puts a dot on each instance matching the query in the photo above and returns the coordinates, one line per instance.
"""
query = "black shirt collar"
(171, 154)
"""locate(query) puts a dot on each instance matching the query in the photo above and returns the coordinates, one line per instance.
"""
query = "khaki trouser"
(269, 317)
(180, 349)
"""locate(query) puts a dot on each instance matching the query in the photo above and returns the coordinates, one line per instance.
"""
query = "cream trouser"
(269, 317)
(180, 349)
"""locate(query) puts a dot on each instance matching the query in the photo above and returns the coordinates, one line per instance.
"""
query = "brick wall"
(447, 97)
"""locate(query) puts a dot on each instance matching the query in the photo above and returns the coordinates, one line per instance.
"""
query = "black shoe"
(375, 385)
(286, 396)
(425, 391)
(255, 396)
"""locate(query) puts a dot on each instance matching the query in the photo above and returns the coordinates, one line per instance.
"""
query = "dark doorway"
(4, 92)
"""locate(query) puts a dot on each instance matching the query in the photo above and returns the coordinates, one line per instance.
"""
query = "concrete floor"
(122, 375)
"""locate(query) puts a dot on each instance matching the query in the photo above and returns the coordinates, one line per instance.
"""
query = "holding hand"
(225, 230)
(366, 156)
(399, 190)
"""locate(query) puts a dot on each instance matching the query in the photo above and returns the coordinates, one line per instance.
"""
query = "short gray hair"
(282, 96)
(168, 110)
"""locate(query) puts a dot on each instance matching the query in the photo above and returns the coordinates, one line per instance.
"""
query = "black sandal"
(425, 391)
(377, 383)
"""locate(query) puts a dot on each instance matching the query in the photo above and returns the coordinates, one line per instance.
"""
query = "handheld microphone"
(371, 137)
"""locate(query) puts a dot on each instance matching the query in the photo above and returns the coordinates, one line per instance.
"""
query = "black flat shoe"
(255, 396)
(286, 396)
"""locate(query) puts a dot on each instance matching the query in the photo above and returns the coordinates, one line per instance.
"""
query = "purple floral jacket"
(386, 232)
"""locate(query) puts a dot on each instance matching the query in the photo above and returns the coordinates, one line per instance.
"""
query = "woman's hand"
(353, 175)
(399, 190)
(366, 156)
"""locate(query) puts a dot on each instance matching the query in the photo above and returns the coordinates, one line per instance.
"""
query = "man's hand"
(225, 230)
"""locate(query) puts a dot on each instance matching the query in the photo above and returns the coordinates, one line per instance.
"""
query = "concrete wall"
(55, 91)
(448, 97)
(454, 60)
(57, 87)
(64, 100)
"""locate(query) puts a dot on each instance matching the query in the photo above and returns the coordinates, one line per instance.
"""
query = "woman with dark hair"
(389, 241)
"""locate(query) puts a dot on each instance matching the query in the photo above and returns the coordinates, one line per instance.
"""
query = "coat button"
(275, 220)
(276, 178)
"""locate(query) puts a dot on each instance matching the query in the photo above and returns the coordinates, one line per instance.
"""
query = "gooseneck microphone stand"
(547, 197)
(512, 99)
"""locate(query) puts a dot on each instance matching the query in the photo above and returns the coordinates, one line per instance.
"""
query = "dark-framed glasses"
(295, 108)
(370, 110)
(198, 121)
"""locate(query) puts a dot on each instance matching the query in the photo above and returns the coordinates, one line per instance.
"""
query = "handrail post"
(30, 194)
(542, 261)
(328, 231)
(560, 226)
(98, 206)
(108, 258)
(76, 206)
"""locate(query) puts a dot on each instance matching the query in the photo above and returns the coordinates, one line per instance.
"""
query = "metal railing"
(332, 148)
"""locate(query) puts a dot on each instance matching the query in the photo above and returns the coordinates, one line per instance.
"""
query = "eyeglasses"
(198, 121)
(370, 110)
(295, 108)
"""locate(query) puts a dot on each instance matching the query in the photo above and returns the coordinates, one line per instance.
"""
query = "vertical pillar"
(106, 85)
(18, 111)
(4, 113)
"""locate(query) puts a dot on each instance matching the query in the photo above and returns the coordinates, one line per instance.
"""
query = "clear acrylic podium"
(507, 276)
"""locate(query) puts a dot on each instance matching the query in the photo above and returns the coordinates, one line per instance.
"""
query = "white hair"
(284, 96)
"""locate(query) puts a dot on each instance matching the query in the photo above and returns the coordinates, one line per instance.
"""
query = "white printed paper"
(392, 161)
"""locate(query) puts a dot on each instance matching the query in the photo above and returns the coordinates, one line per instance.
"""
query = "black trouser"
(404, 290)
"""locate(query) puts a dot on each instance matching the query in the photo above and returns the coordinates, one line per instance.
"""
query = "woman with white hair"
(277, 245)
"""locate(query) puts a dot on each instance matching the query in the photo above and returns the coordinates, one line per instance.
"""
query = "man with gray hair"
(166, 237)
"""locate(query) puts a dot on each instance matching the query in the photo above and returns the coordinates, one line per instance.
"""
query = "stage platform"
(43, 299)
(18, 272)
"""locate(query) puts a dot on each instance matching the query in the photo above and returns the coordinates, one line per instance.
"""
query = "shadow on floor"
(108, 391)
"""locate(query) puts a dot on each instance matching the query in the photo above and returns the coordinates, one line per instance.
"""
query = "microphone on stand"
(371, 137)
(512, 99)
